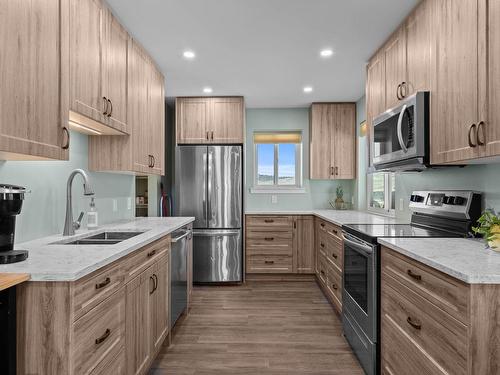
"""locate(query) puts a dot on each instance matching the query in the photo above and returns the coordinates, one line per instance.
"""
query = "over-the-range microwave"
(400, 136)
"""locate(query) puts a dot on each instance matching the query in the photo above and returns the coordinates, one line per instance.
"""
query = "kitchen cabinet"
(332, 141)
(98, 67)
(34, 111)
(114, 318)
(303, 240)
(142, 151)
(210, 120)
(394, 55)
(433, 323)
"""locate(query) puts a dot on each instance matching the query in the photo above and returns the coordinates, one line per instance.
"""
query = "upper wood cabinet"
(332, 141)
(143, 150)
(98, 69)
(210, 120)
(394, 54)
(34, 66)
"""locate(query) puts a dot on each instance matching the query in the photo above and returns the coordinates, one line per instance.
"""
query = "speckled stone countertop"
(465, 259)
(338, 217)
(49, 260)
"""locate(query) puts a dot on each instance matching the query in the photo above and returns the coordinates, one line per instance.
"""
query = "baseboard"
(279, 277)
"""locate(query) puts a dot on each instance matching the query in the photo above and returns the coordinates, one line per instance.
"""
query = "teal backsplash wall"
(318, 192)
(44, 208)
(483, 178)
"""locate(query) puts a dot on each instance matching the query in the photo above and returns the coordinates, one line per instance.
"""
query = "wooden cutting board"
(8, 280)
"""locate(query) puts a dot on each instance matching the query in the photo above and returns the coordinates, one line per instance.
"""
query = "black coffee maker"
(11, 201)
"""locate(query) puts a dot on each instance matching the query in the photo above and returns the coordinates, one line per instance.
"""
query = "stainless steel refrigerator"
(208, 185)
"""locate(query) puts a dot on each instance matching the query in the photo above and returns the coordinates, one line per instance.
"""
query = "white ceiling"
(265, 50)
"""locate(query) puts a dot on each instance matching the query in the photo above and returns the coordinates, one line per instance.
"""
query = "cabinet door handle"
(322, 244)
(398, 92)
(322, 225)
(334, 286)
(471, 144)
(335, 256)
(480, 128)
(404, 90)
(153, 160)
(207, 136)
(331, 171)
(269, 261)
(103, 338)
(106, 104)
(322, 272)
(414, 275)
(414, 324)
(110, 108)
(336, 171)
(212, 135)
(269, 238)
(65, 146)
(154, 284)
(151, 253)
(102, 284)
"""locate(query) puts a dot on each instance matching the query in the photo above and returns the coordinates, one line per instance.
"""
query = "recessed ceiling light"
(207, 90)
(189, 54)
(308, 89)
(327, 52)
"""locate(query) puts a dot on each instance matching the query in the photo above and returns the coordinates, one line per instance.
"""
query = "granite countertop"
(465, 259)
(338, 217)
(52, 261)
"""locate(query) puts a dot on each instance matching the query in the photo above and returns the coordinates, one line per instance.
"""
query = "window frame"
(388, 185)
(275, 187)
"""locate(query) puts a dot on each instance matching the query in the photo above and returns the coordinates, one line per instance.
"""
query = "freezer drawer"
(217, 255)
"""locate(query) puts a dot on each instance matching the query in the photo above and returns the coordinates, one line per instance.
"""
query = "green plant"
(489, 228)
(339, 192)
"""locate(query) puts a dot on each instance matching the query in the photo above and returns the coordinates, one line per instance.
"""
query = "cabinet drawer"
(268, 221)
(449, 294)
(269, 264)
(334, 285)
(93, 289)
(332, 249)
(331, 229)
(100, 334)
(269, 237)
(422, 326)
(143, 258)
(322, 270)
(115, 366)
(253, 250)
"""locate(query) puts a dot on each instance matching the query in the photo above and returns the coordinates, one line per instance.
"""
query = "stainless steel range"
(434, 214)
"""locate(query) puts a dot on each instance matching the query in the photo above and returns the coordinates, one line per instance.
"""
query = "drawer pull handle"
(154, 278)
(322, 244)
(335, 232)
(151, 253)
(334, 256)
(415, 325)
(103, 283)
(322, 272)
(269, 261)
(334, 286)
(414, 275)
(268, 221)
(269, 238)
(103, 338)
(322, 225)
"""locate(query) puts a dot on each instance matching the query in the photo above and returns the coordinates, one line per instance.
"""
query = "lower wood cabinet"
(432, 323)
(280, 244)
(112, 321)
(329, 260)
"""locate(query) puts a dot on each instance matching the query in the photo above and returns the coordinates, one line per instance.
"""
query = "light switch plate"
(274, 199)
(115, 205)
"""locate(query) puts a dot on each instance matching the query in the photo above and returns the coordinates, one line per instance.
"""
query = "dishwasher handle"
(177, 239)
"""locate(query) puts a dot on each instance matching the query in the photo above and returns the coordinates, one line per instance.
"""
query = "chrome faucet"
(69, 224)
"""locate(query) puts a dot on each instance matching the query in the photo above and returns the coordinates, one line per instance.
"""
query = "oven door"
(400, 133)
(360, 284)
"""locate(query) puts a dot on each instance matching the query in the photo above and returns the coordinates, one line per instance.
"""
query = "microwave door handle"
(400, 132)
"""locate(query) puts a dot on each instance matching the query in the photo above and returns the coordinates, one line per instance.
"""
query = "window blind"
(277, 137)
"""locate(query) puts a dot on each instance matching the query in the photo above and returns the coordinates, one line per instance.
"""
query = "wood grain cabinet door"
(192, 117)
(395, 68)
(138, 322)
(344, 141)
(227, 120)
(321, 123)
(33, 79)
(418, 49)
(489, 130)
(455, 82)
(114, 75)
(304, 250)
(159, 305)
(86, 63)
(156, 124)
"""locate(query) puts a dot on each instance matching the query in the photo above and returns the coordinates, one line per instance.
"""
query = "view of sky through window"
(286, 159)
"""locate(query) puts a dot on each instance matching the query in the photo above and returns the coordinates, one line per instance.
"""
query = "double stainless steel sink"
(104, 238)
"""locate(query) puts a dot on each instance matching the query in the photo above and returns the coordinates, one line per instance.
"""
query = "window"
(381, 192)
(278, 161)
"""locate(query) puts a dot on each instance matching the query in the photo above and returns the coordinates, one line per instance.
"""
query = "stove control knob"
(448, 200)
(416, 198)
(459, 201)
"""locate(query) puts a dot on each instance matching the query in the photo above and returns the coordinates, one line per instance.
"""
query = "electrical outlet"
(274, 199)
(401, 204)
(115, 205)
(129, 203)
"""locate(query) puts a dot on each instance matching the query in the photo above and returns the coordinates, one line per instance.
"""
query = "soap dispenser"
(92, 215)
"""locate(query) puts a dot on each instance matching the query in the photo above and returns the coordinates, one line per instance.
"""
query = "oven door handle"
(358, 246)
(400, 132)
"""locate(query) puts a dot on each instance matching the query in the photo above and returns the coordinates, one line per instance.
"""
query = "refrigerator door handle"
(205, 198)
(213, 232)
(209, 187)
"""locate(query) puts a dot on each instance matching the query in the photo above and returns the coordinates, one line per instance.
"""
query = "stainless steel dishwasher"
(178, 272)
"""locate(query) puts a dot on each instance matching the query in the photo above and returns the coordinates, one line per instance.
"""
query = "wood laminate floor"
(278, 328)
